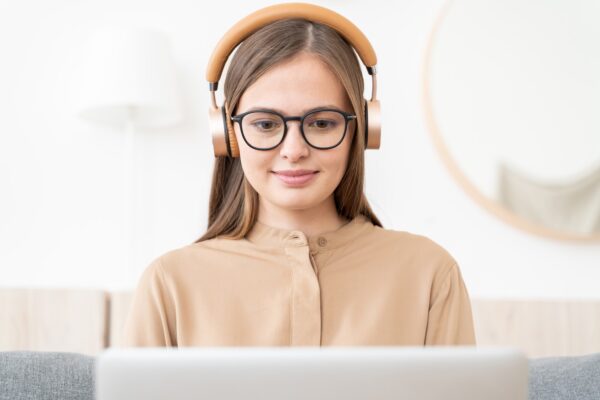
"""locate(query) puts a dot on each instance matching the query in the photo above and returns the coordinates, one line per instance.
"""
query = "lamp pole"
(132, 186)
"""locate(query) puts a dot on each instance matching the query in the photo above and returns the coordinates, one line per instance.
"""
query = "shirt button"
(322, 241)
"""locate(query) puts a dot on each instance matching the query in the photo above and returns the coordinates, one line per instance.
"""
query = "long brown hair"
(233, 206)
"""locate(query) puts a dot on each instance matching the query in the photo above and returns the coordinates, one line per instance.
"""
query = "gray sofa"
(33, 375)
(69, 376)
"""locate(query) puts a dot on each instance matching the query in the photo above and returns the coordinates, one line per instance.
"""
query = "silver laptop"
(315, 373)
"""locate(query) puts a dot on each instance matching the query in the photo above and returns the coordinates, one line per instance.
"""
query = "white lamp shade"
(128, 73)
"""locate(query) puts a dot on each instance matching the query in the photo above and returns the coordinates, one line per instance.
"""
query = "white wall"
(62, 199)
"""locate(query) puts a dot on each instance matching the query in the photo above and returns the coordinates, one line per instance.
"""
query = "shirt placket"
(305, 324)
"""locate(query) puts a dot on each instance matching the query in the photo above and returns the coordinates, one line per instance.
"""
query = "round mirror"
(512, 99)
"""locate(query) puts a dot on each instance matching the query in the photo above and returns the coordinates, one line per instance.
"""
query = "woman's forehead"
(296, 85)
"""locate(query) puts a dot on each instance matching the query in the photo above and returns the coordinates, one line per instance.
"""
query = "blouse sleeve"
(147, 322)
(450, 320)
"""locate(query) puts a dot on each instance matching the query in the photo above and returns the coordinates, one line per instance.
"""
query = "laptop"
(315, 373)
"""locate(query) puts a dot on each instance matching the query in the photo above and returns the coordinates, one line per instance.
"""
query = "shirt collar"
(269, 236)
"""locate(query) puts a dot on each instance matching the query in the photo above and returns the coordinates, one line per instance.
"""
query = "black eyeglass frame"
(347, 117)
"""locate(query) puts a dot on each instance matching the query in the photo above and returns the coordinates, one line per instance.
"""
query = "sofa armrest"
(46, 375)
(565, 378)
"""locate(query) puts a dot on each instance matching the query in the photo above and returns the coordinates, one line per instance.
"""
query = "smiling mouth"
(297, 172)
(296, 180)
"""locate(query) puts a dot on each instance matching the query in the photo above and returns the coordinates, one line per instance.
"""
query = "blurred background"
(469, 90)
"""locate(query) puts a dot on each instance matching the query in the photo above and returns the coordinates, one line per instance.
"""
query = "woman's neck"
(312, 222)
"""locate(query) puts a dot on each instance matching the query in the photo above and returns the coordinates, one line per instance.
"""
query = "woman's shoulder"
(418, 249)
(404, 238)
(206, 247)
(189, 257)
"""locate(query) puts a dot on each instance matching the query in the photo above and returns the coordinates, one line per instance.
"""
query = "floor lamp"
(127, 79)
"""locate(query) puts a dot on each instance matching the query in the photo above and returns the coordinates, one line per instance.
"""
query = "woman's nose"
(294, 146)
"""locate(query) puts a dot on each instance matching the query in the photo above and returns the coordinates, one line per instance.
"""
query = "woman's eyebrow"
(305, 111)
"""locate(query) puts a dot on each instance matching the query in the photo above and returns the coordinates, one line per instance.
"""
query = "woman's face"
(292, 88)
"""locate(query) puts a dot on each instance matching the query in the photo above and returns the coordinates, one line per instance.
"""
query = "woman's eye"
(322, 124)
(265, 125)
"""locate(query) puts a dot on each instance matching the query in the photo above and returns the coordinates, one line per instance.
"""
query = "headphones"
(221, 127)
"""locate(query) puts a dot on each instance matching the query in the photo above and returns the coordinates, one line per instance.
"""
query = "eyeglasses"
(322, 128)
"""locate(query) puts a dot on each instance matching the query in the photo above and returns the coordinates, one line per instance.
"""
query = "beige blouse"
(357, 285)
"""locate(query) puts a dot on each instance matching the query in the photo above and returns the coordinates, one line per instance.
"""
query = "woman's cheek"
(256, 173)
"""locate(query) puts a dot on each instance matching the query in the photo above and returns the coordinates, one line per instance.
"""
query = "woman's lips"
(298, 180)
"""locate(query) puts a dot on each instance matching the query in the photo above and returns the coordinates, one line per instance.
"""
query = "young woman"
(293, 254)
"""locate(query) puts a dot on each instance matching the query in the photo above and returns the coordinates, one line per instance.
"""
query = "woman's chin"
(296, 200)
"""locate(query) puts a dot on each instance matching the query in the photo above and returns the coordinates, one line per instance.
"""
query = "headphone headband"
(249, 24)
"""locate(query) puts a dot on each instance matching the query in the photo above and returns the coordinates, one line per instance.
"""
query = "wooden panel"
(53, 320)
(119, 307)
(80, 321)
(540, 328)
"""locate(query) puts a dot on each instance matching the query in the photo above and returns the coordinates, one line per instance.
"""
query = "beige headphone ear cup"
(217, 132)
(233, 144)
(373, 124)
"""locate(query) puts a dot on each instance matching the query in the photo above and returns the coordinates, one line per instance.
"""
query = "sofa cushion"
(46, 375)
(565, 378)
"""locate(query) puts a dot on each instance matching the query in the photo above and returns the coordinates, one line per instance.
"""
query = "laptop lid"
(276, 373)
